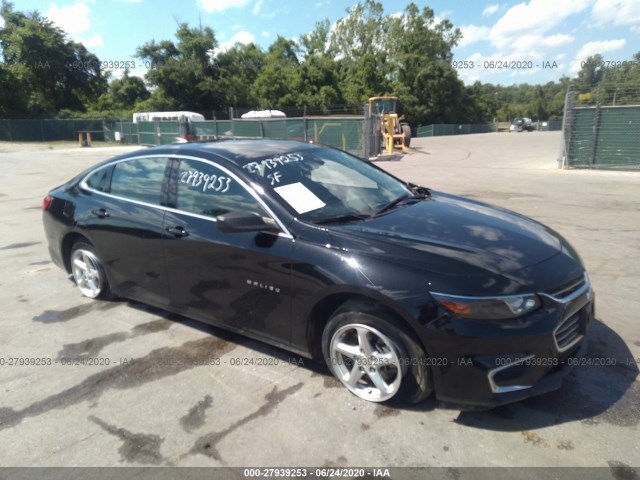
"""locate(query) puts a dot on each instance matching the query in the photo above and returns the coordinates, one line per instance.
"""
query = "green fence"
(603, 137)
(342, 133)
(550, 126)
(51, 130)
(345, 133)
(455, 129)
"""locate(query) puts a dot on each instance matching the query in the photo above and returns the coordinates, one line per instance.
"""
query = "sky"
(536, 40)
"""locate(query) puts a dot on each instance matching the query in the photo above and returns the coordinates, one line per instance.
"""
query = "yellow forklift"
(387, 132)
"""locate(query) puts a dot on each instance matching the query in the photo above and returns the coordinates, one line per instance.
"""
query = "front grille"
(568, 288)
(569, 332)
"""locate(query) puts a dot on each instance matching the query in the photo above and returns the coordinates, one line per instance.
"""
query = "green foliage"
(610, 83)
(237, 71)
(274, 86)
(50, 71)
(317, 82)
(181, 73)
(367, 53)
(123, 95)
(427, 86)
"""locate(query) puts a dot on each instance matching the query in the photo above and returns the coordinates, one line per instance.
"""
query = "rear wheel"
(406, 129)
(373, 358)
(88, 272)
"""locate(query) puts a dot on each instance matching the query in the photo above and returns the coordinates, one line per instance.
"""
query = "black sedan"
(401, 290)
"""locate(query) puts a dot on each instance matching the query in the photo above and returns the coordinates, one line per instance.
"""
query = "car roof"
(239, 152)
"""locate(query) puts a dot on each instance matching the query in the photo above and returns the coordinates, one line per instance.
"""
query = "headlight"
(488, 308)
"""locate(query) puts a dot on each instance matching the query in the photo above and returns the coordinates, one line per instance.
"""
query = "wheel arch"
(67, 244)
(325, 307)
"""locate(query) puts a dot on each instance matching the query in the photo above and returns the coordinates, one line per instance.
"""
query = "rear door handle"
(100, 213)
(178, 232)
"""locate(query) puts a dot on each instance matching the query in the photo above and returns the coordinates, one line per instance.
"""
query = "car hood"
(452, 235)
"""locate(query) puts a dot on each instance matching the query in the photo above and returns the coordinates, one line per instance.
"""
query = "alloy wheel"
(366, 361)
(86, 272)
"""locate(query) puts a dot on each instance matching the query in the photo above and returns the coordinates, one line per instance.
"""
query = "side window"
(139, 179)
(100, 180)
(207, 190)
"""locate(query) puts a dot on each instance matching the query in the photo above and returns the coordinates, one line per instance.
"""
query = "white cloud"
(1, 22)
(533, 45)
(257, 8)
(94, 42)
(490, 10)
(486, 67)
(536, 17)
(615, 12)
(603, 46)
(240, 37)
(243, 37)
(266, 34)
(74, 20)
(468, 76)
(129, 1)
(591, 48)
(472, 34)
(220, 5)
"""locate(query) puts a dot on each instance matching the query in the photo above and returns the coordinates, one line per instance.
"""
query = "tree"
(538, 108)
(590, 73)
(122, 98)
(275, 85)
(52, 71)
(317, 41)
(237, 69)
(317, 82)
(428, 87)
(360, 43)
(182, 73)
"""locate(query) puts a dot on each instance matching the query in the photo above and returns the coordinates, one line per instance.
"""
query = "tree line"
(367, 53)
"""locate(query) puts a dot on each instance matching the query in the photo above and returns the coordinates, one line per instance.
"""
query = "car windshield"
(325, 185)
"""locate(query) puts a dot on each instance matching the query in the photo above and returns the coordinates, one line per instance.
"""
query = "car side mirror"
(240, 221)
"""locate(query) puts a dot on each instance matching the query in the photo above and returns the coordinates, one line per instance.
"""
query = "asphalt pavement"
(144, 387)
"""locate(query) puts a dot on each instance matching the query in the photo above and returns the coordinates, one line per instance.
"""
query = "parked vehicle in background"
(263, 114)
(184, 120)
(522, 124)
(167, 117)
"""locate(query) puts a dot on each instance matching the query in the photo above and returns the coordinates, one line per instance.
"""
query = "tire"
(406, 129)
(373, 358)
(88, 272)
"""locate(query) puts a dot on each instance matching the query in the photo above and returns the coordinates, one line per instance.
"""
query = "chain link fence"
(466, 128)
(345, 133)
(601, 128)
(45, 130)
(455, 129)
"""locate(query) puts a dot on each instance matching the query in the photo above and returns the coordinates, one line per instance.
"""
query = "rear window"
(100, 180)
(140, 179)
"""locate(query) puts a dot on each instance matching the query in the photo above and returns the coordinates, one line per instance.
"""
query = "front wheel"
(88, 272)
(373, 358)
(406, 129)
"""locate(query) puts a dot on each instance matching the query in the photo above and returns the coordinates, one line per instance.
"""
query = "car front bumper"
(479, 365)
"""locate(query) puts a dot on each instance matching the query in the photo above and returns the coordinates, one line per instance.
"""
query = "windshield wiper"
(394, 203)
(349, 217)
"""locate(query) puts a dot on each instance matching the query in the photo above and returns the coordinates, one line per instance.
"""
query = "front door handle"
(177, 232)
(100, 213)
